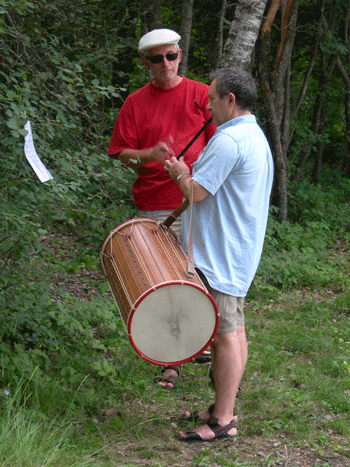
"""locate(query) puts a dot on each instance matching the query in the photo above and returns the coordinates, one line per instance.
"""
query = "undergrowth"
(84, 383)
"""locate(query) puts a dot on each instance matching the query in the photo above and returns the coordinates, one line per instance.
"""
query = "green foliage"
(53, 77)
(72, 116)
(67, 68)
(40, 330)
(298, 252)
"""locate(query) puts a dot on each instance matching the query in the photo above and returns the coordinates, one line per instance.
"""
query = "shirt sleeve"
(216, 163)
(124, 134)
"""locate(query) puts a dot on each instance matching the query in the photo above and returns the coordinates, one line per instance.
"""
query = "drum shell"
(140, 258)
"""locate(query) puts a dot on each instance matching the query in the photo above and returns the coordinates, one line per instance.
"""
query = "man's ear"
(231, 98)
(145, 62)
(180, 55)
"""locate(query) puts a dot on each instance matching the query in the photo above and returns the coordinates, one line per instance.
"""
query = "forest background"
(65, 364)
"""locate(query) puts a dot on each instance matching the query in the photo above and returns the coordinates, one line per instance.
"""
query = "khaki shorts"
(230, 308)
(161, 216)
(230, 311)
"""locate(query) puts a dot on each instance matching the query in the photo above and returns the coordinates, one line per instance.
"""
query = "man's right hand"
(162, 150)
(158, 153)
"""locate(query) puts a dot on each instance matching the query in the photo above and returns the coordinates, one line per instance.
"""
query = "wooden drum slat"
(146, 270)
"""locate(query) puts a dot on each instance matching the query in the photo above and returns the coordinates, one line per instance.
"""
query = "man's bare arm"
(137, 158)
(180, 173)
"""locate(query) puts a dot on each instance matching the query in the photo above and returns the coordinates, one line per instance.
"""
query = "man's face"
(219, 108)
(165, 71)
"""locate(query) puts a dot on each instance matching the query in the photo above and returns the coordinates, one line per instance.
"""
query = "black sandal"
(204, 357)
(172, 379)
(194, 416)
(218, 430)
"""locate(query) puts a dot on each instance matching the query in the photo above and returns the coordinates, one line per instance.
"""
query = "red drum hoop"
(170, 317)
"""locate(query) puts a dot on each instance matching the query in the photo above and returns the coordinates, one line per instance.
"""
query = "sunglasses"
(159, 58)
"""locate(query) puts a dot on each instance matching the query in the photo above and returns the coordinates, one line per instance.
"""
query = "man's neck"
(167, 84)
(240, 113)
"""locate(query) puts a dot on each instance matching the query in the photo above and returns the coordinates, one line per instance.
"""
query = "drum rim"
(149, 291)
(125, 223)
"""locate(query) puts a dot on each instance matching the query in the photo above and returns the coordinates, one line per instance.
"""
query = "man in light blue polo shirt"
(231, 183)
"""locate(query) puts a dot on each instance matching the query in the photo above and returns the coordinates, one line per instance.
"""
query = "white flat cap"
(158, 37)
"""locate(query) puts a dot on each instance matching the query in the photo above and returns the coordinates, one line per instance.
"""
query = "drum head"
(173, 323)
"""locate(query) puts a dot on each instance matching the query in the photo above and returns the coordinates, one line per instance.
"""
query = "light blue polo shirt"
(229, 224)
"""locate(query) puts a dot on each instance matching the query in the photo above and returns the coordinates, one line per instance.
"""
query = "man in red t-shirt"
(155, 123)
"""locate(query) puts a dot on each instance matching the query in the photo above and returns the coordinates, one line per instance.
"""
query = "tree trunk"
(122, 65)
(243, 33)
(346, 157)
(219, 36)
(346, 80)
(276, 93)
(317, 120)
(185, 32)
(320, 145)
(150, 15)
(313, 54)
(279, 192)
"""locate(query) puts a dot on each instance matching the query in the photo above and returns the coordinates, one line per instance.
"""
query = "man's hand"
(162, 150)
(137, 158)
(175, 167)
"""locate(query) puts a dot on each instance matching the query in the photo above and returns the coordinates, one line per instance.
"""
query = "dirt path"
(245, 452)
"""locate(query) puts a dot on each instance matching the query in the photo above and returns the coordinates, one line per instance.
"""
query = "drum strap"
(190, 271)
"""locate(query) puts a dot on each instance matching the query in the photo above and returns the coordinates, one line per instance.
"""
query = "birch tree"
(243, 33)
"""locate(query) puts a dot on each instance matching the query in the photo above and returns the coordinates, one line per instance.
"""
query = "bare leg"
(243, 346)
(228, 360)
(204, 415)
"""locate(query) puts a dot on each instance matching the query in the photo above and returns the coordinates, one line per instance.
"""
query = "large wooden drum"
(170, 317)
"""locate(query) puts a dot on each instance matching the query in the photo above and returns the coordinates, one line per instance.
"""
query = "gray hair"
(239, 82)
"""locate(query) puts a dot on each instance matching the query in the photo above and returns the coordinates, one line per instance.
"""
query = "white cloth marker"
(33, 158)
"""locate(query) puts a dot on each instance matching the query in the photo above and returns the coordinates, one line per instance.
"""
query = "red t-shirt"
(150, 115)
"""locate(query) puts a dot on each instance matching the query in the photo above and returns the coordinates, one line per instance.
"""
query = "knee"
(224, 339)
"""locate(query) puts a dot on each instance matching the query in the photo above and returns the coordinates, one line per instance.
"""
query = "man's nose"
(165, 61)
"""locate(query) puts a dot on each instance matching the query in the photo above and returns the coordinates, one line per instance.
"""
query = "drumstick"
(180, 209)
(208, 122)
(175, 214)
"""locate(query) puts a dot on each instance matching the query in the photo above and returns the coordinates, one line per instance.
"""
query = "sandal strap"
(213, 424)
(176, 368)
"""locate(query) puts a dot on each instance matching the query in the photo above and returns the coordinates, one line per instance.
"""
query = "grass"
(296, 400)
(79, 395)
(30, 439)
